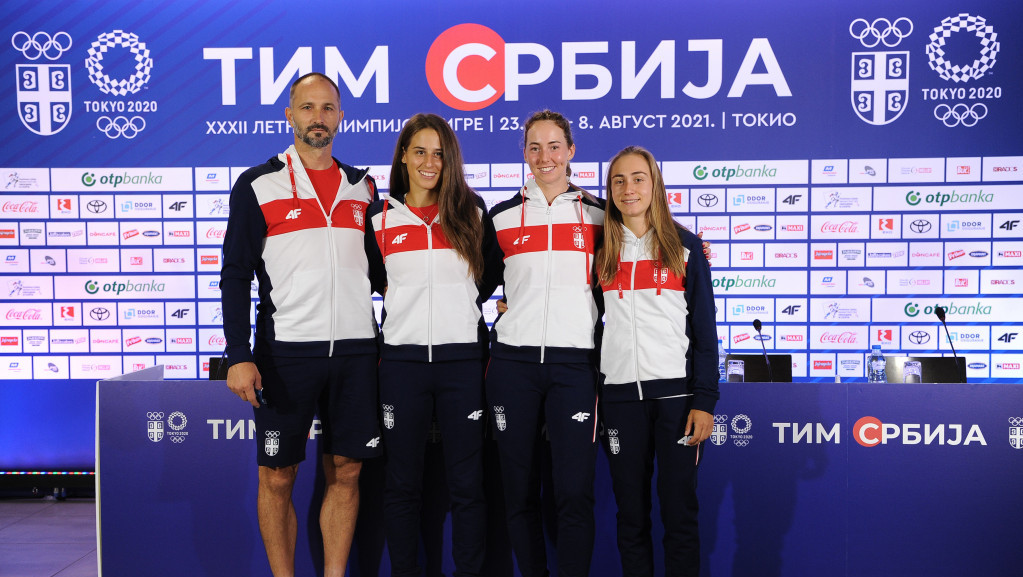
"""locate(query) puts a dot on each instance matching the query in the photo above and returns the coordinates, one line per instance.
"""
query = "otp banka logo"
(469, 67)
(44, 90)
(119, 64)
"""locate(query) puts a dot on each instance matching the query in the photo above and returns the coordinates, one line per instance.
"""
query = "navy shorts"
(341, 390)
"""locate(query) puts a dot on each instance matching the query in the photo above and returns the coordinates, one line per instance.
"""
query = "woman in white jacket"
(658, 364)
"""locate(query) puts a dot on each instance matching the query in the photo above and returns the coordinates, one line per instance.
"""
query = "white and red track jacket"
(553, 312)
(660, 336)
(432, 305)
(314, 291)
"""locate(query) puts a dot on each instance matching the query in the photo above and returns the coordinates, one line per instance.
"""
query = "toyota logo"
(99, 314)
(96, 206)
(919, 337)
(707, 200)
(920, 226)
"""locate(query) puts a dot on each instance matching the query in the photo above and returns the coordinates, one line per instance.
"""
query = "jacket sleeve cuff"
(238, 354)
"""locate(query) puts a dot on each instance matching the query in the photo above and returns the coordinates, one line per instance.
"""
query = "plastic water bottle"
(721, 361)
(875, 366)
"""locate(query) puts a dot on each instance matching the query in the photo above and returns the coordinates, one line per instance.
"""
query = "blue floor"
(48, 538)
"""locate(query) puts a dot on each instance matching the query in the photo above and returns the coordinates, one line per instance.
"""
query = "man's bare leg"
(339, 511)
(277, 522)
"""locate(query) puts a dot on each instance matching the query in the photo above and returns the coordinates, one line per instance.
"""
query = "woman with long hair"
(659, 378)
(430, 247)
(542, 368)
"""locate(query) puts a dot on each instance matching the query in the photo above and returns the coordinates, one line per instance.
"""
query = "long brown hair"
(566, 127)
(665, 240)
(456, 202)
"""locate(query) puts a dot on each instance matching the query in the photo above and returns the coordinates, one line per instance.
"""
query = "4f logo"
(792, 199)
(880, 85)
(44, 97)
(1009, 225)
(180, 313)
(400, 238)
(791, 309)
(293, 214)
(500, 419)
(1008, 337)
(178, 206)
(580, 416)
(374, 442)
(522, 238)
(388, 416)
(475, 415)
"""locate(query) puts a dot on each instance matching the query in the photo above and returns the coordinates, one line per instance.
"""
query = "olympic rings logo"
(959, 73)
(273, 434)
(720, 419)
(880, 31)
(121, 126)
(960, 114)
(154, 415)
(41, 44)
(612, 432)
(94, 63)
(1015, 421)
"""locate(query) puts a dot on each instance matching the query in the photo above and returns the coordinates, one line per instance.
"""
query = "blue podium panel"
(934, 479)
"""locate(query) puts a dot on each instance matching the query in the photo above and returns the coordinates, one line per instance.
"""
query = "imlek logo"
(914, 309)
(914, 198)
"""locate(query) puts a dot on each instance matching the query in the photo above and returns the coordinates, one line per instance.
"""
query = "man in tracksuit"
(298, 223)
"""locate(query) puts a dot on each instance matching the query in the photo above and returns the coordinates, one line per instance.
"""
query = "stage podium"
(839, 479)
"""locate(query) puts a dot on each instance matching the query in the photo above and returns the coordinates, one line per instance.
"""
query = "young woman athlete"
(658, 364)
(430, 246)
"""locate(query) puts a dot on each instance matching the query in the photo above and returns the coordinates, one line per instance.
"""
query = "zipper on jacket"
(429, 292)
(635, 336)
(547, 288)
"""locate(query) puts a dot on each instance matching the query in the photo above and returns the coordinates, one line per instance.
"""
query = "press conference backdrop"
(855, 164)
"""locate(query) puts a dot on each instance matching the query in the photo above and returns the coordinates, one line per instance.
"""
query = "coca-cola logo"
(846, 337)
(216, 233)
(847, 226)
(217, 340)
(24, 315)
(24, 207)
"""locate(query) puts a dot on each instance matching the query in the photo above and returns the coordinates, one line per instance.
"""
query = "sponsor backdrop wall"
(854, 164)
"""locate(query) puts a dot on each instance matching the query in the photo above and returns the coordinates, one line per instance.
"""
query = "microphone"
(939, 311)
(757, 326)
